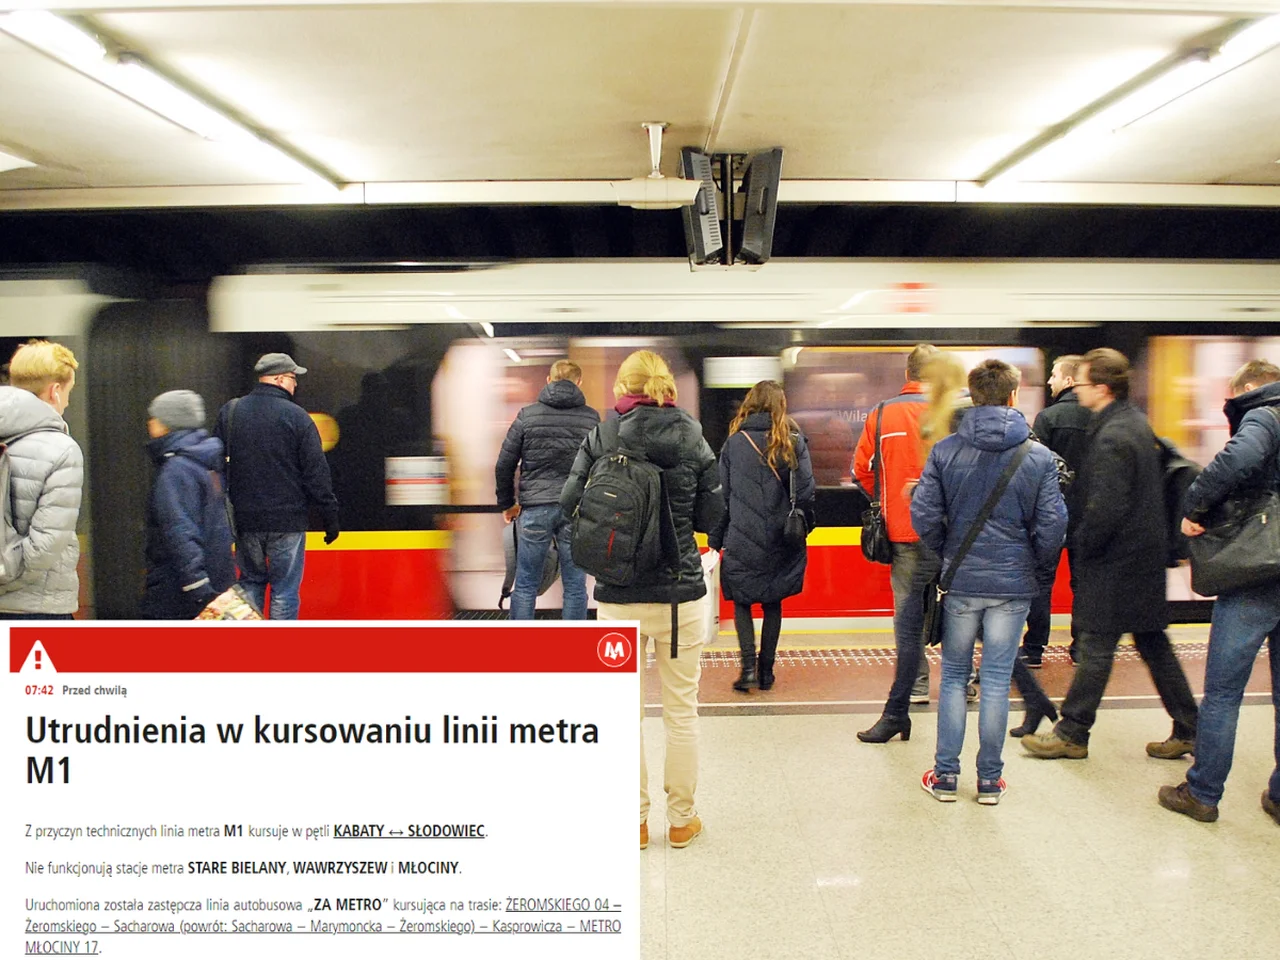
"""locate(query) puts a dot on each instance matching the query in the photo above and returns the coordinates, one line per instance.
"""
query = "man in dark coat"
(276, 471)
(1062, 427)
(543, 440)
(188, 536)
(1117, 538)
(1247, 467)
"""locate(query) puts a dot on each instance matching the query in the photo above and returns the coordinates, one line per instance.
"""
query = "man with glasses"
(276, 470)
(1116, 536)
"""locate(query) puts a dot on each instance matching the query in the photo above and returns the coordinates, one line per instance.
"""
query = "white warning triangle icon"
(38, 661)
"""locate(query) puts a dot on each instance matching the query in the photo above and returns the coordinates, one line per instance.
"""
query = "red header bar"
(586, 647)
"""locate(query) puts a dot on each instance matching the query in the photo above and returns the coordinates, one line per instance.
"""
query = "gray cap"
(178, 409)
(274, 364)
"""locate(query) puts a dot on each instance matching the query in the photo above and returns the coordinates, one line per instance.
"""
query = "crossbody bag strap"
(762, 459)
(231, 419)
(944, 584)
(875, 456)
(793, 488)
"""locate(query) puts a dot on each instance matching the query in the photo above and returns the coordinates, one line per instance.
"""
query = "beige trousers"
(679, 697)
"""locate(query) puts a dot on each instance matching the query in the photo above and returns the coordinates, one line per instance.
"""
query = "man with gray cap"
(275, 471)
(188, 536)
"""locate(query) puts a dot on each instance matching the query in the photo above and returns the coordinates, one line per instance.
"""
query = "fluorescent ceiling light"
(512, 355)
(487, 327)
(130, 76)
(9, 161)
(1080, 133)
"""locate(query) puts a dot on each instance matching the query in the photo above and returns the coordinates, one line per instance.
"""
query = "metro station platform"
(816, 845)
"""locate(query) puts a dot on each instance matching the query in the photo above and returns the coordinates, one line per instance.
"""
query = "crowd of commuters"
(972, 497)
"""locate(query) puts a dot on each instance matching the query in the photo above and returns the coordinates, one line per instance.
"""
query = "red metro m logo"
(614, 650)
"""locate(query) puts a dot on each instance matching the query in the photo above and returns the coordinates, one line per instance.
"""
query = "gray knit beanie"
(178, 409)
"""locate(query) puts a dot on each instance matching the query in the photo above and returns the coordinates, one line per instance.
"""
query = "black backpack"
(623, 531)
(1178, 475)
(617, 526)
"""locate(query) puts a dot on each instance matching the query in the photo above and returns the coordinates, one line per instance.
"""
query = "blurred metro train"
(416, 370)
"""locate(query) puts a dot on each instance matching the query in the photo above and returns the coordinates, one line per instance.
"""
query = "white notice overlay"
(244, 790)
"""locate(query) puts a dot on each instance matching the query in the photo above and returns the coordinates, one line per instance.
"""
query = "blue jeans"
(275, 559)
(1241, 621)
(1001, 624)
(536, 527)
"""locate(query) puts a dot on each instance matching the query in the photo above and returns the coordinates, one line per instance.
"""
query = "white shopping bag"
(711, 576)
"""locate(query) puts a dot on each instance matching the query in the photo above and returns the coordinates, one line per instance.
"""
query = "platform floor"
(818, 846)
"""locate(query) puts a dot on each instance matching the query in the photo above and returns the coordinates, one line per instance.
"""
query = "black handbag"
(795, 529)
(1240, 548)
(938, 589)
(876, 546)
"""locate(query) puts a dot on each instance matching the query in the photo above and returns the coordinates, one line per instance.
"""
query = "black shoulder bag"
(795, 529)
(938, 589)
(875, 536)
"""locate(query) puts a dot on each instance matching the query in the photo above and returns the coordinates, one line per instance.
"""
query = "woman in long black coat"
(764, 447)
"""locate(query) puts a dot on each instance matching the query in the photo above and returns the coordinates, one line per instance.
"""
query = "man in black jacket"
(1062, 427)
(1247, 467)
(544, 439)
(1117, 538)
(275, 470)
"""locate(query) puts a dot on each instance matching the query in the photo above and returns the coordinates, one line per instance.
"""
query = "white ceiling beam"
(600, 192)
(1217, 7)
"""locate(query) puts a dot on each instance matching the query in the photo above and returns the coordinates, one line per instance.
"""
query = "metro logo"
(614, 650)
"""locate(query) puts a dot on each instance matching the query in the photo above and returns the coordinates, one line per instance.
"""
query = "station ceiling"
(531, 102)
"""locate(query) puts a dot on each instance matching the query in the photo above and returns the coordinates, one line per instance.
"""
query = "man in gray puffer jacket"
(46, 476)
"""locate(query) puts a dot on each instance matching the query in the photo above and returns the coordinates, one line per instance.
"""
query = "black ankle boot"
(1031, 722)
(885, 729)
(766, 674)
(746, 679)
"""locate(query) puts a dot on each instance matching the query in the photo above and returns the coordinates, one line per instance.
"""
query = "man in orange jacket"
(914, 566)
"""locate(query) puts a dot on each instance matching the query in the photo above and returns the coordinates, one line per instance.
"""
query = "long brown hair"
(767, 397)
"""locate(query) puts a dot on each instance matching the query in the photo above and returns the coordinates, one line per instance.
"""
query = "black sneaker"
(1034, 661)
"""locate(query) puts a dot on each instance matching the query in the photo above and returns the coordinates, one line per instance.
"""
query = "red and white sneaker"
(939, 787)
(990, 791)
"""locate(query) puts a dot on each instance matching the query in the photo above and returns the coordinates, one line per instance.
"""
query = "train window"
(1187, 381)
(831, 390)
(478, 390)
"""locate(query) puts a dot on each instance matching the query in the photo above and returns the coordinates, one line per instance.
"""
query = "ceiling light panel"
(73, 45)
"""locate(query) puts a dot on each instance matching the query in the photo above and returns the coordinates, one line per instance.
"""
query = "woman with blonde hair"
(947, 382)
(764, 455)
(649, 424)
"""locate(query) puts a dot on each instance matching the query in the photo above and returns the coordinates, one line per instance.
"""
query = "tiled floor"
(817, 845)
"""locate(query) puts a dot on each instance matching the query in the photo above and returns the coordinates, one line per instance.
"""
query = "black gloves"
(331, 533)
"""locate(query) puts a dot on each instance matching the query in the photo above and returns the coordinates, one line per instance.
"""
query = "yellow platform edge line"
(383, 540)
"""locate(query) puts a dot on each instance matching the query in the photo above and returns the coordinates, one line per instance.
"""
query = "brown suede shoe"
(1171, 749)
(1050, 746)
(1179, 800)
(644, 835)
(1270, 806)
(683, 836)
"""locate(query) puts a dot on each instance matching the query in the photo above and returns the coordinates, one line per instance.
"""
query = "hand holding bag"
(876, 546)
(938, 589)
(1240, 549)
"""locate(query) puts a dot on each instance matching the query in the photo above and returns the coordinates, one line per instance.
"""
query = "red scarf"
(629, 401)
